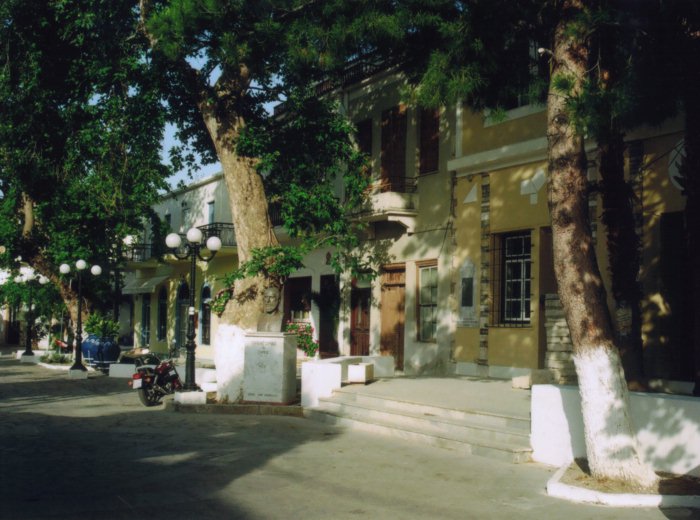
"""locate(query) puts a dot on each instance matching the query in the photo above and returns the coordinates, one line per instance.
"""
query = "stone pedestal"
(270, 367)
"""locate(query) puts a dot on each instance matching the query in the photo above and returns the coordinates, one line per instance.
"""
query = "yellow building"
(508, 321)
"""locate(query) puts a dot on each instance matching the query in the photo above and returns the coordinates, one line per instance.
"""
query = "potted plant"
(101, 348)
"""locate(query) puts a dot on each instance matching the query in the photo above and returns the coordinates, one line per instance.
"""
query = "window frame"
(513, 280)
(426, 309)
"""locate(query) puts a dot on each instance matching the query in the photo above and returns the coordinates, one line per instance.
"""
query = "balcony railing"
(145, 252)
(219, 229)
(141, 252)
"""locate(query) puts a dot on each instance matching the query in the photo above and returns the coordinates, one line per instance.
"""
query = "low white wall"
(320, 377)
(668, 428)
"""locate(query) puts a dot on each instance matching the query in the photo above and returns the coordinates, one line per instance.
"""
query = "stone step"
(463, 431)
(474, 416)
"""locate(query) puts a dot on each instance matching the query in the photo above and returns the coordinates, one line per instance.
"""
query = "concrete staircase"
(473, 432)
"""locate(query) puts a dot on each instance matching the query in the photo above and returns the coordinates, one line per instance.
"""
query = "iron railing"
(142, 252)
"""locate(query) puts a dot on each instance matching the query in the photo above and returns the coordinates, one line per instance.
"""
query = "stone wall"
(558, 359)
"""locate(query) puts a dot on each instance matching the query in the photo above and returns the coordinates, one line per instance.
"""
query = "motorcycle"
(154, 378)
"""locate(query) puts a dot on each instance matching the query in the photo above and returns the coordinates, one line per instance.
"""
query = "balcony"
(395, 201)
(141, 252)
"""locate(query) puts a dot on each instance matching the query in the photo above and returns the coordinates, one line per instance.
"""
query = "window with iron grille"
(427, 302)
(512, 279)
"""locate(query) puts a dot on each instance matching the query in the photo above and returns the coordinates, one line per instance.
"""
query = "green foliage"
(80, 133)
(102, 326)
(305, 336)
(302, 154)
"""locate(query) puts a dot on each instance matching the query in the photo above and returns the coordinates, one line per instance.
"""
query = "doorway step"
(479, 430)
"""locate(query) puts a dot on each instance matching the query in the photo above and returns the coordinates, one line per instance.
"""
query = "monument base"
(270, 368)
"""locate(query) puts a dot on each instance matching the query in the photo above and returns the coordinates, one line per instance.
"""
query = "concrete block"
(319, 379)
(360, 373)
(77, 374)
(121, 370)
(34, 359)
(190, 398)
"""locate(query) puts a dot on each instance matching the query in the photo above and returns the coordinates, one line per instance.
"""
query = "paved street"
(82, 449)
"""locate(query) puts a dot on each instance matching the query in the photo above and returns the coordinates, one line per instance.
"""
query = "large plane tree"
(80, 132)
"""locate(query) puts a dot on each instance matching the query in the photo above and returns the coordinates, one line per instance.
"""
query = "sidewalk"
(88, 449)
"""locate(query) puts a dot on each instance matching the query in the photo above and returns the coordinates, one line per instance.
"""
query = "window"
(512, 279)
(427, 302)
(297, 299)
(146, 320)
(169, 221)
(429, 139)
(206, 315)
(528, 75)
(393, 154)
(211, 212)
(467, 300)
(185, 213)
(162, 314)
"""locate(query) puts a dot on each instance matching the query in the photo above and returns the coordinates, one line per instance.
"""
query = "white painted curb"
(576, 494)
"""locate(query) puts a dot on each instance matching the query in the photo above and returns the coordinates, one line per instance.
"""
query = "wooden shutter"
(393, 156)
(429, 139)
(364, 136)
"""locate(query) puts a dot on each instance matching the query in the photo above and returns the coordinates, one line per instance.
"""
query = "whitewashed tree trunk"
(610, 438)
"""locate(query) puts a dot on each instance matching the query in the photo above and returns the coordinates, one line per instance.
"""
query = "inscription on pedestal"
(269, 368)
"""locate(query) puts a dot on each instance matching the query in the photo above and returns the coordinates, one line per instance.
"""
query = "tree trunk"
(250, 216)
(610, 440)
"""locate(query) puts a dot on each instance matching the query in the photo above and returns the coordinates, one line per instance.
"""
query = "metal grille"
(511, 276)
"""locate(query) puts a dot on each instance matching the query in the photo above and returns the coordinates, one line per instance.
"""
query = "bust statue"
(271, 318)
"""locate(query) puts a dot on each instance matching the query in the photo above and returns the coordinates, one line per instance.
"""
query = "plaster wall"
(667, 427)
(479, 135)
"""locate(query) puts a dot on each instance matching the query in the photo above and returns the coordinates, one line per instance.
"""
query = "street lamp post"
(193, 252)
(28, 278)
(96, 270)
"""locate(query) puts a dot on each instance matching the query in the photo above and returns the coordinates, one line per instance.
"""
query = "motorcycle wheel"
(149, 397)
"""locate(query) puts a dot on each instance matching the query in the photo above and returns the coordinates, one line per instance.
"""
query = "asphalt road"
(84, 449)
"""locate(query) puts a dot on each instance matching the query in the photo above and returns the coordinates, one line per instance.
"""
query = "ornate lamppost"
(96, 270)
(28, 277)
(192, 252)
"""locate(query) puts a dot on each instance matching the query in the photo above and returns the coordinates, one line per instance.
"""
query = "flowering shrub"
(305, 336)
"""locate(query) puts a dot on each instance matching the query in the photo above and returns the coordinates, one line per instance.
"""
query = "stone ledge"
(557, 489)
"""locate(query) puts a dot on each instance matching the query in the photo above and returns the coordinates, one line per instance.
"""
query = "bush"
(55, 358)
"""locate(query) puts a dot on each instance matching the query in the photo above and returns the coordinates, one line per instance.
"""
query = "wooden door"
(359, 321)
(393, 311)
